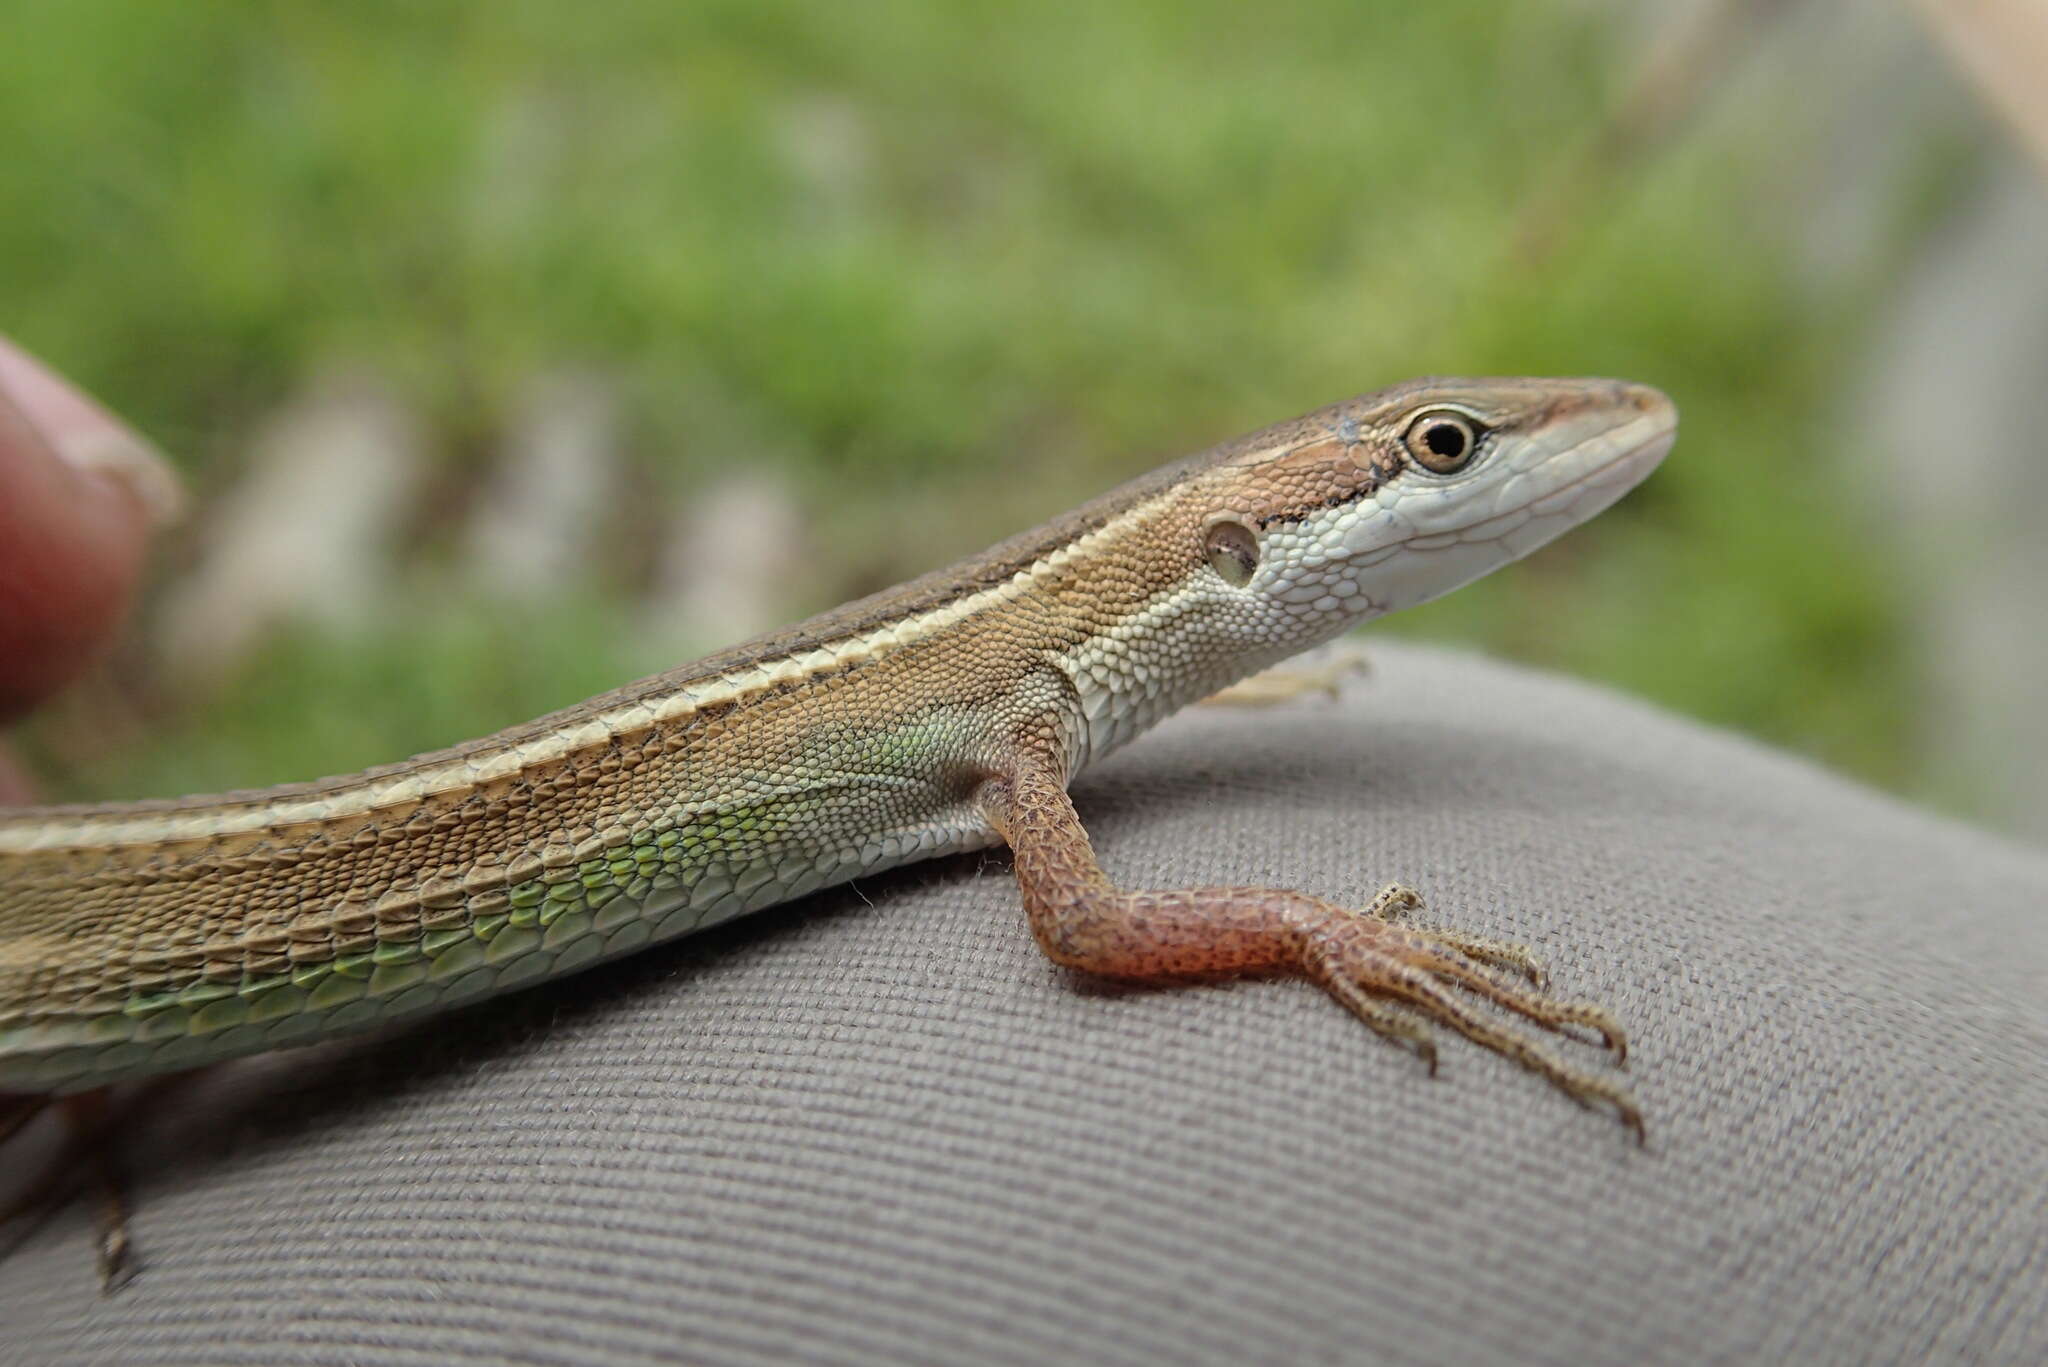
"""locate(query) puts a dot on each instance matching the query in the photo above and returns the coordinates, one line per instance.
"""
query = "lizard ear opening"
(1231, 549)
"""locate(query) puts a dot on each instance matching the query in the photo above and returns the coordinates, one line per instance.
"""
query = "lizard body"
(944, 715)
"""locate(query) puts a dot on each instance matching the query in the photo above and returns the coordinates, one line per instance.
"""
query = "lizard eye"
(1231, 550)
(1442, 440)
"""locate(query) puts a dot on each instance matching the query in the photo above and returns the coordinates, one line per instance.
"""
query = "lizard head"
(1214, 568)
(1391, 499)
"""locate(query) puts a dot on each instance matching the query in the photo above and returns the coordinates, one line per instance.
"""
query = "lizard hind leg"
(16, 1111)
(85, 1162)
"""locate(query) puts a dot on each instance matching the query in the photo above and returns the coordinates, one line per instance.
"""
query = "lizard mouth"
(1624, 456)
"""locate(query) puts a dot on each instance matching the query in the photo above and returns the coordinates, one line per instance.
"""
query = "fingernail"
(86, 437)
(132, 463)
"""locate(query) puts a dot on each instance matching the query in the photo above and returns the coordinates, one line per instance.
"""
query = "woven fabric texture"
(877, 1126)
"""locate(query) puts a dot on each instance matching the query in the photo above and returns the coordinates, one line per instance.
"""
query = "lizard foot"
(1395, 900)
(1363, 959)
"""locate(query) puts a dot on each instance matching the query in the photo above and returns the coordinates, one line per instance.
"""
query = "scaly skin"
(945, 715)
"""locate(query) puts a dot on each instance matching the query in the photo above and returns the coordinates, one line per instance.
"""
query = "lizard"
(947, 714)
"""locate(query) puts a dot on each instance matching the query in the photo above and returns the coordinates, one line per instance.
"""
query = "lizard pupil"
(1446, 439)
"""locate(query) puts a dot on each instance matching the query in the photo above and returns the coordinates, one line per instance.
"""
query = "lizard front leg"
(1321, 675)
(1390, 975)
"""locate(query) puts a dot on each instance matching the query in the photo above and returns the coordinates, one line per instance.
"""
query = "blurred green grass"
(1013, 253)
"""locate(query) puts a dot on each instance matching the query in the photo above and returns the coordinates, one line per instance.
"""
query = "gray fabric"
(878, 1127)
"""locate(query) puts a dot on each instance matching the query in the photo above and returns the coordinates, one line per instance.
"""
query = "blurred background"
(512, 349)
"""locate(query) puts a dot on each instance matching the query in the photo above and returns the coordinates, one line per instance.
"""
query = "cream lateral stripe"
(113, 829)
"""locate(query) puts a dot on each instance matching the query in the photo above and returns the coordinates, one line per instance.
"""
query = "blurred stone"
(1952, 409)
(1940, 452)
(727, 563)
(307, 535)
(556, 486)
